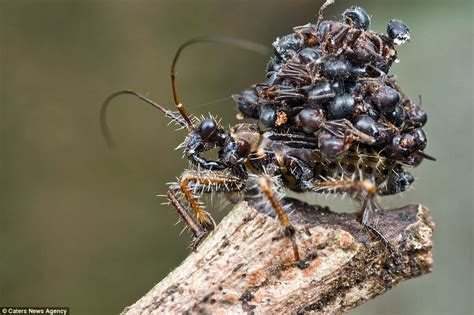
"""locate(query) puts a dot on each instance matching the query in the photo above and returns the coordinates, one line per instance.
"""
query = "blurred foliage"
(81, 226)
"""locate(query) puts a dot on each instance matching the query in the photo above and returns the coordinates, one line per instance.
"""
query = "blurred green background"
(80, 225)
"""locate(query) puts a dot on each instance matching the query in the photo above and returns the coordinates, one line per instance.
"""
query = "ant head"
(410, 145)
(357, 17)
(398, 32)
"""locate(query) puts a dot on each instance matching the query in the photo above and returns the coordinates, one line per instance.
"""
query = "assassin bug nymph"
(307, 152)
(228, 174)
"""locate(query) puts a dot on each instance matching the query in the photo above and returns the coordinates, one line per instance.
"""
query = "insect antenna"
(240, 43)
(321, 11)
(425, 155)
(103, 114)
(181, 117)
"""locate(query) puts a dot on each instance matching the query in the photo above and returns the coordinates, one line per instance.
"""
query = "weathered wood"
(247, 265)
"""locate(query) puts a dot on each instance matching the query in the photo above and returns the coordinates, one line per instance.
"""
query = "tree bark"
(247, 266)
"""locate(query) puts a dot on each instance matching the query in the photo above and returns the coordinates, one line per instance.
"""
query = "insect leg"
(266, 185)
(287, 137)
(193, 183)
(349, 41)
(376, 40)
(367, 207)
(346, 127)
(339, 37)
(357, 188)
(364, 190)
(321, 11)
(190, 222)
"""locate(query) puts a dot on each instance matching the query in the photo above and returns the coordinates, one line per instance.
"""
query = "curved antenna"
(103, 114)
(244, 44)
(321, 11)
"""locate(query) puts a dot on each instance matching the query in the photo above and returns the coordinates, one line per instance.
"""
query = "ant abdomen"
(308, 55)
(341, 106)
(287, 46)
(310, 120)
(331, 146)
(336, 68)
(368, 126)
(386, 98)
(247, 102)
(320, 93)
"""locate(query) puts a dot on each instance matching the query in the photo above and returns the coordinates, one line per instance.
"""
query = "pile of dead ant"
(328, 119)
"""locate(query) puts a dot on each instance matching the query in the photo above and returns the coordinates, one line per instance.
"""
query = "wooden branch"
(247, 265)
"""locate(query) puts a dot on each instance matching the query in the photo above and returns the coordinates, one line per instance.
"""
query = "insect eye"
(359, 17)
(207, 129)
(398, 32)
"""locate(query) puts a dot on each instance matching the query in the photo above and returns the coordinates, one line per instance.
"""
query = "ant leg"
(376, 40)
(289, 137)
(339, 37)
(192, 182)
(349, 41)
(321, 11)
(347, 128)
(266, 185)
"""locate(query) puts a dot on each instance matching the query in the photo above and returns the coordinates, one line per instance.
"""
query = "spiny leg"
(266, 186)
(364, 190)
(366, 209)
(192, 182)
(198, 233)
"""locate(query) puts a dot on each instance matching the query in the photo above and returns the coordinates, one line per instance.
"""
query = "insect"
(327, 120)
